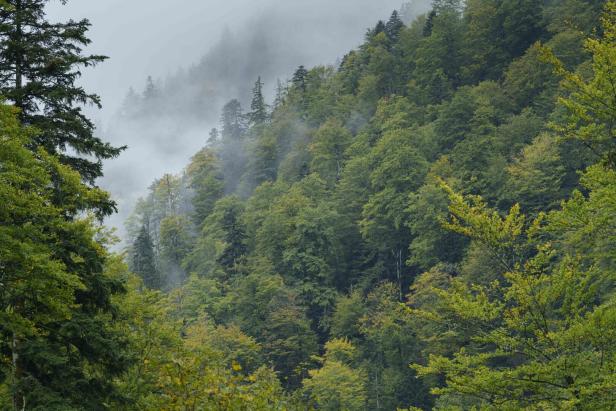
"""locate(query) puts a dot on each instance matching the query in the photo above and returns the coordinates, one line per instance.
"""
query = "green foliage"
(337, 386)
(207, 182)
(427, 163)
(590, 104)
(143, 262)
(54, 293)
(258, 114)
(195, 366)
(537, 335)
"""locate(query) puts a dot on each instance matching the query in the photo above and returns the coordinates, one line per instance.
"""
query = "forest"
(429, 224)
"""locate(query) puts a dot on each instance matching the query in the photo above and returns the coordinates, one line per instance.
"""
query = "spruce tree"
(150, 92)
(235, 237)
(213, 137)
(299, 78)
(58, 349)
(143, 263)
(39, 65)
(280, 94)
(258, 114)
(379, 28)
(393, 27)
(232, 120)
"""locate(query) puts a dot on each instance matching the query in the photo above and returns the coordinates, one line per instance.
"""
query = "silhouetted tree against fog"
(393, 27)
(233, 125)
(299, 78)
(258, 114)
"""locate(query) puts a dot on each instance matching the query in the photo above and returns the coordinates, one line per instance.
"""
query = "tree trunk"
(19, 401)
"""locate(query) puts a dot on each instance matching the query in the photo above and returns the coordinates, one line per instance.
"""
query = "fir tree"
(235, 237)
(213, 138)
(57, 348)
(379, 28)
(151, 91)
(258, 115)
(232, 121)
(299, 78)
(143, 262)
(130, 104)
(39, 65)
(280, 94)
(393, 27)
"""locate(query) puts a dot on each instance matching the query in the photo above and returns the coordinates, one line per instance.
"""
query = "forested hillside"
(429, 225)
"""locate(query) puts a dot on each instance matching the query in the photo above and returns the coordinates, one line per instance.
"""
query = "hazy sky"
(157, 37)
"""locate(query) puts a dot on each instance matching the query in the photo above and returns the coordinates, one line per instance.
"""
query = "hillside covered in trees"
(429, 225)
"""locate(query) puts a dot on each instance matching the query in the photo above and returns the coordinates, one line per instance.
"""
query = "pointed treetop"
(394, 26)
(299, 78)
(258, 114)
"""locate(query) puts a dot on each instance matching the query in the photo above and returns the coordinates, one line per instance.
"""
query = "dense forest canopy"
(429, 224)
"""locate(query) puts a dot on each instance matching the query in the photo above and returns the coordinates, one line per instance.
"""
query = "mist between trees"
(429, 223)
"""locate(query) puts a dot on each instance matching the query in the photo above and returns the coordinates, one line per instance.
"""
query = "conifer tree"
(143, 263)
(213, 138)
(150, 92)
(232, 121)
(379, 28)
(57, 348)
(393, 27)
(39, 65)
(235, 236)
(299, 78)
(258, 115)
(280, 94)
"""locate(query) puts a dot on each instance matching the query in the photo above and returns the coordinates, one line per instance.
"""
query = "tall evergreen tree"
(57, 348)
(232, 121)
(394, 26)
(299, 78)
(39, 65)
(280, 94)
(150, 92)
(378, 28)
(234, 237)
(213, 137)
(143, 262)
(258, 114)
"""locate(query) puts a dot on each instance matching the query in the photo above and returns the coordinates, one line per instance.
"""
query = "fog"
(201, 53)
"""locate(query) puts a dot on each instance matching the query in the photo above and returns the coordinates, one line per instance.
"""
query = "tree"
(144, 261)
(543, 335)
(589, 107)
(213, 136)
(175, 245)
(54, 294)
(39, 65)
(234, 236)
(258, 114)
(288, 339)
(299, 79)
(328, 150)
(232, 120)
(337, 386)
(207, 183)
(281, 91)
(194, 366)
(393, 27)
(150, 92)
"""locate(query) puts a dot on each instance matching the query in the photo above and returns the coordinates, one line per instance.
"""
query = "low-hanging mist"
(269, 41)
